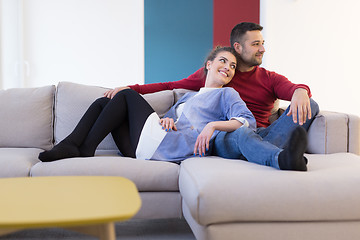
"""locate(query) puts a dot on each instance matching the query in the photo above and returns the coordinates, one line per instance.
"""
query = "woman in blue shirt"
(189, 128)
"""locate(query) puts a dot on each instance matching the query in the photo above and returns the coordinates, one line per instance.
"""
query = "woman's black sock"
(62, 150)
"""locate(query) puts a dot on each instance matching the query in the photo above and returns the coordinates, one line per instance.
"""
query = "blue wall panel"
(178, 37)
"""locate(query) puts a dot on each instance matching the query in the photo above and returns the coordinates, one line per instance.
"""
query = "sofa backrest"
(27, 117)
(30, 118)
(72, 100)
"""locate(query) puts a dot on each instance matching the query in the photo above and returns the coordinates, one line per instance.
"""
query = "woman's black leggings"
(123, 116)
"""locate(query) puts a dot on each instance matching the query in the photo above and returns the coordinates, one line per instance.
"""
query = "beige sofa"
(219, 198)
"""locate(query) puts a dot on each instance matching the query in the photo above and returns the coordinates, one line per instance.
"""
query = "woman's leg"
(127, 135)
(124, 116)
(69, 147)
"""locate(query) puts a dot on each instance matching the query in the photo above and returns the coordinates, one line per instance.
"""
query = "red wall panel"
(228, 13)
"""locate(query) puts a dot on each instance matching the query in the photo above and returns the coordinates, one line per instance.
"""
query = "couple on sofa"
(214, 120)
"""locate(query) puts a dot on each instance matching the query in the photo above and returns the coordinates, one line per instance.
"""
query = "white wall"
(101, 42)
(316, 42)
(9, 44)
(96, 42)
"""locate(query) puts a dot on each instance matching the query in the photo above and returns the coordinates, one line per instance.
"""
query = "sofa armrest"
(333, 132)
(354, 134)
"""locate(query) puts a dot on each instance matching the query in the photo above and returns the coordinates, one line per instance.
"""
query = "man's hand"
(111, 93)
(203, 140)
(168, 124)
(300, 106)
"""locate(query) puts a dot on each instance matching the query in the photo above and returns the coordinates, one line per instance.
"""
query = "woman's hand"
(111, 93)
(202, 143)
(168, 124)
(203, 140)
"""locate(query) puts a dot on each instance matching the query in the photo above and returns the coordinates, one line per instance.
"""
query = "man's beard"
(253, 62)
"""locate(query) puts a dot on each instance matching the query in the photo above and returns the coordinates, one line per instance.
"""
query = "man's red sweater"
(259, 89)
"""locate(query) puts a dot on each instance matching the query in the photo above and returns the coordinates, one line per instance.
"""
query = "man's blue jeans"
(265, 144)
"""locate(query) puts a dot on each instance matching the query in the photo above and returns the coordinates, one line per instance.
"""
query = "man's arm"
(300, 106)
(298, 94)
(194, 82)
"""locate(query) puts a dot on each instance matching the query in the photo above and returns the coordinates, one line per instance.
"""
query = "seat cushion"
(17, 162)
(147, 175)
(217, 190)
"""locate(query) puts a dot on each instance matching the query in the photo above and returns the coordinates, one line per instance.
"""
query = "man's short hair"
(238, 32)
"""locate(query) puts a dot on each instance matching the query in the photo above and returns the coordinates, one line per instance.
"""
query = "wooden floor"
(161, 229)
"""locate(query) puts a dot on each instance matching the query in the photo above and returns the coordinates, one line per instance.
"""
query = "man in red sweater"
(259, 88)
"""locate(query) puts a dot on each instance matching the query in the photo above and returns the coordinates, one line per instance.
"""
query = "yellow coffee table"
(85, 204)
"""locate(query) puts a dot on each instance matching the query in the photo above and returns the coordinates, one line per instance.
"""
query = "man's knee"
(314, 108)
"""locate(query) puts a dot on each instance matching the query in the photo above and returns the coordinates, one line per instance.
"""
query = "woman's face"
(222, 69)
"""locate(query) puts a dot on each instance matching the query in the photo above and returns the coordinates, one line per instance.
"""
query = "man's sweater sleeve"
(284, 89)
(194, 82)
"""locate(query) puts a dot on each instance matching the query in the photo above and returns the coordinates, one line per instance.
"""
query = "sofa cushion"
(147, 175)
(72, 100)
(17, 162)
(27, 117)
(161, 101)
(178, 93)
(328, 133)
(218, 190)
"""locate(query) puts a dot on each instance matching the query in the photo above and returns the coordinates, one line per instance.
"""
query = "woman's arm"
(203, 140)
